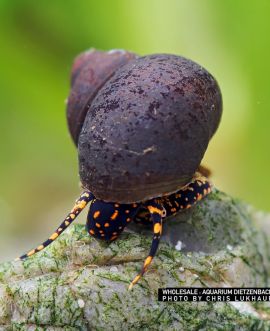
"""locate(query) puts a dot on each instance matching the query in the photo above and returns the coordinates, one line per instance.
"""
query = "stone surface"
(79, 283)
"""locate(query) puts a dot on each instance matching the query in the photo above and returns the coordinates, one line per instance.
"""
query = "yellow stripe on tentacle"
(156, 212)
(80, 204)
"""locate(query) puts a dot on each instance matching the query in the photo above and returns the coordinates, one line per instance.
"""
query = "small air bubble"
(229, 247)
(113, 269)
(178, 246)
(81, 303)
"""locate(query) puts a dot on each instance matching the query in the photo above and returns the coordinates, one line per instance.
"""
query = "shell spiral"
(142, 128)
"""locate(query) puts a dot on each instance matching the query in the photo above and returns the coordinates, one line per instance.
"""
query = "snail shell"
(146, 126)
(89, 72)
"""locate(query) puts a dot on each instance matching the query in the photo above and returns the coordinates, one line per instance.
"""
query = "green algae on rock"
(79, 283)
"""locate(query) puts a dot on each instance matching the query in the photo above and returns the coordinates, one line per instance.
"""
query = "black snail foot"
(191, 231)
(81, 283)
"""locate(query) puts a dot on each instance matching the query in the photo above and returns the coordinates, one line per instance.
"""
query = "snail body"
(107, 220)
(142, 126)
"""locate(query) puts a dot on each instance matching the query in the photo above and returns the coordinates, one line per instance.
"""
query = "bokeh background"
(38, 41)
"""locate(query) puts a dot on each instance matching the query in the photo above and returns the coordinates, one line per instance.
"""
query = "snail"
(141, 126)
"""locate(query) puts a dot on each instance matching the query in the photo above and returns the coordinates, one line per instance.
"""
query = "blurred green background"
(39, 39)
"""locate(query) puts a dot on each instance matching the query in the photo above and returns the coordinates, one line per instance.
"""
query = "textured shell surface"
(147, 128)
(90, 71)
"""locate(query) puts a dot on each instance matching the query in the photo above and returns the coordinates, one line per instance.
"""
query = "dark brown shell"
(147, 128)
(89, 72)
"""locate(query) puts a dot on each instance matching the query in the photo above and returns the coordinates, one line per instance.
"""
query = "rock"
(79, 283)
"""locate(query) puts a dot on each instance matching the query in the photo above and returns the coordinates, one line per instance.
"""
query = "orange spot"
(81, 205)
(188, 206)
(134, 205)
(72, 216)
(113, 238)
(92, 232)
(157, 228)
(66, 223)
(147, 261)
(155, 210)
(98, 225)
(54, 236)
(127, 211)
(40, 247)
(31, 252)
(114, 215)
(114, 233)
(101, 231)
(96, 214)
(116, 205)
(106, 225)
(128, 219)
(135, 280)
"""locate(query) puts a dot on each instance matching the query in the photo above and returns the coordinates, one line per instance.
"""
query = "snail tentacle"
(80, 204)
(169, 205)
(157, 213)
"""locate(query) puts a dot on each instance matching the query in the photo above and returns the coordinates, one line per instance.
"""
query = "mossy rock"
(79, 283)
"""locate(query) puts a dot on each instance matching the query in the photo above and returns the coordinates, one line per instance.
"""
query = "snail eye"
(164, 212)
